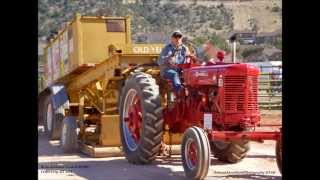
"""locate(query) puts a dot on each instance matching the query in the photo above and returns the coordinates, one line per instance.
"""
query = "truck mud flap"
(59, 97)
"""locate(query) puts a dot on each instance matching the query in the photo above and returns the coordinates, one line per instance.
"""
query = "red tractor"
(217, 112)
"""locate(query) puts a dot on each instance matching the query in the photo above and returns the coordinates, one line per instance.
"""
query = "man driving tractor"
(176, 53)
(171, 55)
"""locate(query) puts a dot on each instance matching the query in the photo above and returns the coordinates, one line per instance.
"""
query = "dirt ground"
(260, 163)
(271, 116)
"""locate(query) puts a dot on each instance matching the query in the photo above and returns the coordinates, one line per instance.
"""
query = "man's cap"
(177, 34)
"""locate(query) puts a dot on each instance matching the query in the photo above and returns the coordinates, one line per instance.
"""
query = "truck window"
(115, 25)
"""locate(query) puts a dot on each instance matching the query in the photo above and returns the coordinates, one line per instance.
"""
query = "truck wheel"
(52, 120)
(40, 112)
(69, 137)
(279, 154)
(195, 152)
(232, 152)
(141, 122)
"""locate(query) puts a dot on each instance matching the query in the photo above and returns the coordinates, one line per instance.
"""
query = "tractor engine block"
(227, 91)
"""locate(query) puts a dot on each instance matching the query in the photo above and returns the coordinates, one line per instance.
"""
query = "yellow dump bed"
(87, 41)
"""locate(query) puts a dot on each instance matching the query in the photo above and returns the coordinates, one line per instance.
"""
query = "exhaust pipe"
(234, 47)
(234, 52)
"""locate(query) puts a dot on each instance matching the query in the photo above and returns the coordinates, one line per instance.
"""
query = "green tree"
(219, 42)
(278, 43)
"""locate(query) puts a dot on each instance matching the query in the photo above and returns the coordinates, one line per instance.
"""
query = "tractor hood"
(210, 75)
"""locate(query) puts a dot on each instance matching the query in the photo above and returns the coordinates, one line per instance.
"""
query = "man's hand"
(170, 62)
(193, 58)
(211, 62)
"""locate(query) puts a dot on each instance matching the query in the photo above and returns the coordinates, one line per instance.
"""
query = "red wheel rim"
(134, 120)
(192, 154)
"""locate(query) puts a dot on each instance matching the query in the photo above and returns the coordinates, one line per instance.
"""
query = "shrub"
(249, 51)
(275, 9)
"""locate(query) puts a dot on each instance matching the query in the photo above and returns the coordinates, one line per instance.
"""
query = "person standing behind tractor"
(171, 55)
(206, 54)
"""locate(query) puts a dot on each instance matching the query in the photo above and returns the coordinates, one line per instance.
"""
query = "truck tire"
(52, 119)
(40, 112)
(232, 152)
(141, 122)
(69, 136)
(195, 152)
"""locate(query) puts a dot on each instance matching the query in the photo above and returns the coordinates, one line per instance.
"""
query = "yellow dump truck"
(86, 66)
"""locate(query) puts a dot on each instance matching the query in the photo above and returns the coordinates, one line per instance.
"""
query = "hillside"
(195, 17)
(246, 14)
(199, 19)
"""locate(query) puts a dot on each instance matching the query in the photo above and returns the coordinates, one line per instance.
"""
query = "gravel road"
(260, 163)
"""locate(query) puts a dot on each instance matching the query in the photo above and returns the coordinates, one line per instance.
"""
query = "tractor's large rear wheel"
(232, 152)
(141, 122)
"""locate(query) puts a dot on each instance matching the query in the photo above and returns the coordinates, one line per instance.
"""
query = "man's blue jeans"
(173, 75)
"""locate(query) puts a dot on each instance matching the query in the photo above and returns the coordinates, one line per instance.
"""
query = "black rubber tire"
(201, 169)
(279, 155)
(231, 152)
(57, 118)
(69, 136)
(40, 112)
(152, 122)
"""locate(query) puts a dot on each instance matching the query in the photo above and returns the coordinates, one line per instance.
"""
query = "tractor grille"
(235, 93)
(252, 93)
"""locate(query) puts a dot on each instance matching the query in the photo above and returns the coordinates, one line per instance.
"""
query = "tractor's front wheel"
(232, 151)
(279, 154)
(141, 122)
(195, 152)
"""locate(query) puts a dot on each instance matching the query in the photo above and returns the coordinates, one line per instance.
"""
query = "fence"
(270, 88)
